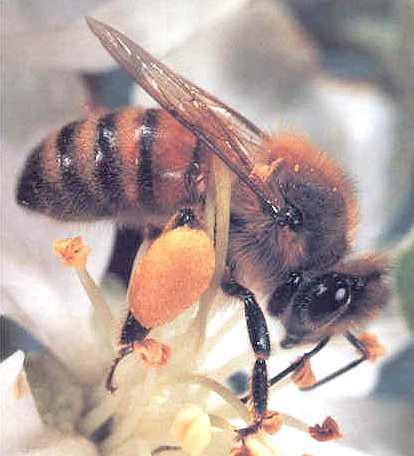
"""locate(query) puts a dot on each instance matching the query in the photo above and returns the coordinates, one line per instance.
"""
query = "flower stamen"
(71, 251)
(74, 253)
(221, 390)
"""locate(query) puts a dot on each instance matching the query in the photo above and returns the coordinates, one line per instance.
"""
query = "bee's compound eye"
(342, 295)
(325, 294)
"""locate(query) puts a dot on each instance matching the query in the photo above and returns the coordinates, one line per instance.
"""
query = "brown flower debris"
(152, 352)
(374, 348)
(272, 422)
(21, 387)
(328, 431)
(303, 375)
(240, 450)
(71, 251)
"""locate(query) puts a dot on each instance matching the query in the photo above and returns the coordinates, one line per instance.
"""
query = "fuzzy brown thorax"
(307, 180)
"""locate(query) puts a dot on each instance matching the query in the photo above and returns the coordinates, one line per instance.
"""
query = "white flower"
(63, 407)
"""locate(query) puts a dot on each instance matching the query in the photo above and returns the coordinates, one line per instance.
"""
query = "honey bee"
(293, 209)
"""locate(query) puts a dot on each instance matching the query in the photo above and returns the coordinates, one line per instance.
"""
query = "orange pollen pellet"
(71, 251)
(172, 275)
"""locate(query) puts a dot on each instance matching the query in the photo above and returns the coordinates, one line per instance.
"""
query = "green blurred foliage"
(404, 279)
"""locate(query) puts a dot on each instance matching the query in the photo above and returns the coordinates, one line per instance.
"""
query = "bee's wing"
(236, 140)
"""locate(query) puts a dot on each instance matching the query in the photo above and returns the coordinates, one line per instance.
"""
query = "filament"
(219, 389)
(96, 298)
(217, 221)
(221, 423)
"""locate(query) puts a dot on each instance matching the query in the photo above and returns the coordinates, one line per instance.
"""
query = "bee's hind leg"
(131, 333)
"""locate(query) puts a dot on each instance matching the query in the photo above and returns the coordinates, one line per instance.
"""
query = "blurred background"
(339, 71)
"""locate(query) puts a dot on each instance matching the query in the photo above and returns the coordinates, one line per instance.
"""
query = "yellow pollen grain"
(296, 168)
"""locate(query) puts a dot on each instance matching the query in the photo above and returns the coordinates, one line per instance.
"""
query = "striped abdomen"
(102, 167)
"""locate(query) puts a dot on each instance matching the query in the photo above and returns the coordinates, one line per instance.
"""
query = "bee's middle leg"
(260, 342)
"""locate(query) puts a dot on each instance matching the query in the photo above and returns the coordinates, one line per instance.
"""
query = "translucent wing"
(233, 138)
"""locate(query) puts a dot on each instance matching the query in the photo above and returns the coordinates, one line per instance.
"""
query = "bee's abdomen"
(101, 167)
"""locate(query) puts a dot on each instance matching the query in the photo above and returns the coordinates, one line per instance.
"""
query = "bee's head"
(314, 306)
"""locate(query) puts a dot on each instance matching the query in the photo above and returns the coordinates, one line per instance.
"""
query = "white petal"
(21, 423)
(132, 446)
(73, 46)
(54, 443)
(379, 425)
(59, 398)
(294, 443)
